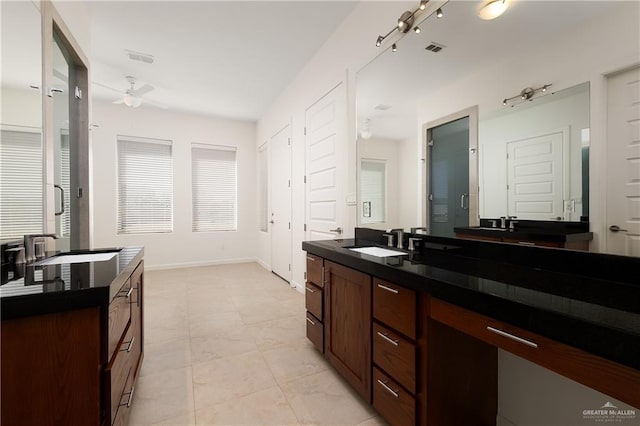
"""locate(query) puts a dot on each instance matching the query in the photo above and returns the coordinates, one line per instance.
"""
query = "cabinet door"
(348, 325)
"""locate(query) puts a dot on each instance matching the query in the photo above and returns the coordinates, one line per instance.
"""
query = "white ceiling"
(222, 58)
(399, 79)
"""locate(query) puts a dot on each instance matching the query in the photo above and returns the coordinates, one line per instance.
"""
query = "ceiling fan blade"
(143, 90)
(107, 87)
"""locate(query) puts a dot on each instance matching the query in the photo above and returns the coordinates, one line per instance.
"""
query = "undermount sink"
(378, 251)
(77, 258)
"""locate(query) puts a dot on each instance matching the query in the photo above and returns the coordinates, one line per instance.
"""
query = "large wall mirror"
(395, 89)
(21, 146)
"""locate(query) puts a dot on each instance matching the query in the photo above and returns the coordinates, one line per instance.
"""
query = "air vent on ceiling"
(382, 107)
(435, 47)
(140, 57)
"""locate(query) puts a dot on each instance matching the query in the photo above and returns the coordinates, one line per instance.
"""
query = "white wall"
(21, 107)
(182, 247)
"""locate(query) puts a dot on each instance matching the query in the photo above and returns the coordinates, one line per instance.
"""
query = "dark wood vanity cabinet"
(76, 367)
(347, 322)
(314, 301)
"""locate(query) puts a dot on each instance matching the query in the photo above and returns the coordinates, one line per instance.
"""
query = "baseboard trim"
(201, 263)
(264, 264)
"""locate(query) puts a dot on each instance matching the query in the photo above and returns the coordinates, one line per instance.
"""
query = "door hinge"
(289, 225)
(305, 178)
(289, 183)
(78, 93)
(305, 130)
(430, 197)
(305, 226)
(289, 141)
(289, 267)
(305, 276)
(79, 192)
(430, 143)
(507, 155)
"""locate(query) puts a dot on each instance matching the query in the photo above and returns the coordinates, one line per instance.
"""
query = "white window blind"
(145, 186)
(214, 192)
(372, 188)
(21, 203)
(65, 183)
(263, 185)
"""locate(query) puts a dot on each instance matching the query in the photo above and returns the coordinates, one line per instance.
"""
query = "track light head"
(417, 29)
(394, 48)
(379, 41)
(423, 4)
(439, 13)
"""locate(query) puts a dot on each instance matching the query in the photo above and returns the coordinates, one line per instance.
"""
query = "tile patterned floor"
(226, 345)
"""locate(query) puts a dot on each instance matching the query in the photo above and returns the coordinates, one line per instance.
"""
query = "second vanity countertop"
(593, 314)
(55, 288)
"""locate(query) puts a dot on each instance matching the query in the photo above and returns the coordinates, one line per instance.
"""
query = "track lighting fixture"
(439, 13)
(394, 48)
(406, 21)
(526, 94)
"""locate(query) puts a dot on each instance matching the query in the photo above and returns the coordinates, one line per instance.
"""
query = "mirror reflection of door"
(448, 177)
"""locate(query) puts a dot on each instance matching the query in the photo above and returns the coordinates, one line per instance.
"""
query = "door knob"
(338, 230)
(616, 228)
(271, 221)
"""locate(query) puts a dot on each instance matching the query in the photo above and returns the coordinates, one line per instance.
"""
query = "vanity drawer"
(395, 355)
(395, 306)
(315, 332)
(313, 300)
(119, 315)
(314, 269)
(395, 404)
(118, 372)
(124, 406)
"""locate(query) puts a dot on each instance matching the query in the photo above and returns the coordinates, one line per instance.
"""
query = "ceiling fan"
(133, 97)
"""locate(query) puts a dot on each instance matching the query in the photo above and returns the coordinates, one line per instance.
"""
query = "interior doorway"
(281, 204)
(450, 173)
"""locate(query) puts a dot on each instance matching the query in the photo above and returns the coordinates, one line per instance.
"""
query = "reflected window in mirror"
(373, 191)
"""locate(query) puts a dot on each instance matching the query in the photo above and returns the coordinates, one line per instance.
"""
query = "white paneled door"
(281, 204)
(325, 165)
(623, 164)
(536, 177)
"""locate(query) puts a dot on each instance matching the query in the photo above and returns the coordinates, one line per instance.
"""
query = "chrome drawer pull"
(128, 295)
(387, 338)
(512, 337)
(130, 393)
(313, 259)
(310, 290)
(130, 345)
(384, 287)
(526, 243)
(391, 391)
(310, 322)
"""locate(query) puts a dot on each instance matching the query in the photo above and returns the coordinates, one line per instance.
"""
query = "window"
(263, 187)
(372, 188)
(21, 186)
(145, 186)
(213, 188)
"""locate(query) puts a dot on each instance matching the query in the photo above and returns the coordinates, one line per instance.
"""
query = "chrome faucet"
(389, 238)
(400, 236)
(29, 245)
(412, 243)
(419, 230)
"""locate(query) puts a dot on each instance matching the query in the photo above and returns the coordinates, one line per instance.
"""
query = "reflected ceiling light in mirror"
(417, 29)
(365, 132)
(526, 94)
(491, 9)
(439, 13)
(394, 48)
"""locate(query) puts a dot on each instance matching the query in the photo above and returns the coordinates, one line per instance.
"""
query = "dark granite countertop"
(54, 288)
(526, 234)
(540, 293)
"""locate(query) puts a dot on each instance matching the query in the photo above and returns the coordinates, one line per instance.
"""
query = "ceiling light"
(491, 9)
(417, 30)
(394, 48)
(132, 100)
(423, 4)
(406, 21)
(439, 13)
(379, 41)
(526, 94)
